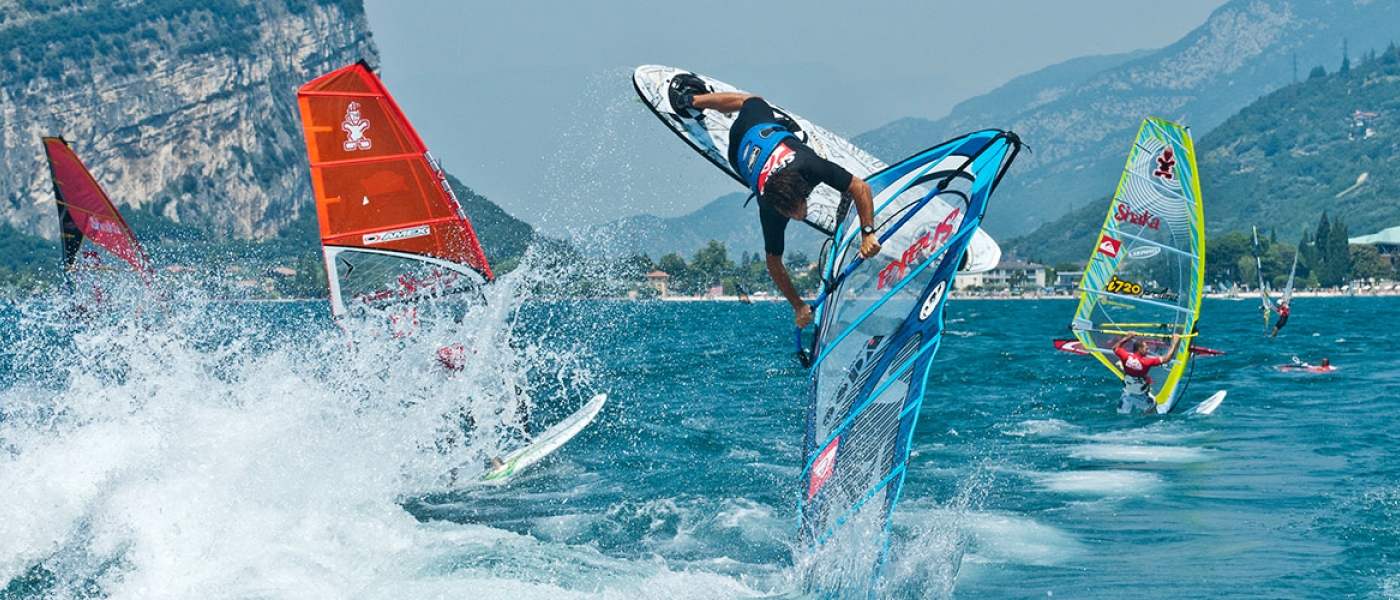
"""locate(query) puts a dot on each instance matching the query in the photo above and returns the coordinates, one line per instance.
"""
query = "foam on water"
(1112, 482)
(218, 456)
(202, 474)
(1140, 453)
(247, 451)
(1006, 538)
(1040, 428)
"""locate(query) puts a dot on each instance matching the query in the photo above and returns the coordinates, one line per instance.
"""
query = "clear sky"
(531, 103)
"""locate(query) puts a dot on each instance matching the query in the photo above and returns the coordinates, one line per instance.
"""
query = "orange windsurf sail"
(392, 229)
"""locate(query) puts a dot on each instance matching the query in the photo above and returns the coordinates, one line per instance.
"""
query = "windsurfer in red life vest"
(1282, 317)
(1137, 385)
(779, 169)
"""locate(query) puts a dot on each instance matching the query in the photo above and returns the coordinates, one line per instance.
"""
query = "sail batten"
(364, 232)
(363, 161)
(1163, 246)
(1163, 305)
(1148, 262)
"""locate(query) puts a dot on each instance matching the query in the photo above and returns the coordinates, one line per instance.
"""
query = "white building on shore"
(1008, 274)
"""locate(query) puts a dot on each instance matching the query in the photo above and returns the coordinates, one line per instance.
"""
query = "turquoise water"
(247, 451)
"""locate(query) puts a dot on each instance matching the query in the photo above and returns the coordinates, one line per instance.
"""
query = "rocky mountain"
(183, 109)
(1079, 120)
(186, 113)
(1330, 143)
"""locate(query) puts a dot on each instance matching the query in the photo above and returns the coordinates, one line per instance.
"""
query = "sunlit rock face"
(186, 109)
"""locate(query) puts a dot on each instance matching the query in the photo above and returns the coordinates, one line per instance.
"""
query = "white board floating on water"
(546, 443)
(1209, 405)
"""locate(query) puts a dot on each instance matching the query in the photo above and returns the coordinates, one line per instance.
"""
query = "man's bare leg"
(725, 102)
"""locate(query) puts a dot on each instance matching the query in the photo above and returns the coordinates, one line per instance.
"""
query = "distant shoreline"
(1389, 293)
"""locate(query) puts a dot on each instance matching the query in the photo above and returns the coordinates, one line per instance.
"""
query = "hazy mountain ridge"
(1244, 50)
(1298, 152)
(502, 236)
(898, 138)
(1280, 162)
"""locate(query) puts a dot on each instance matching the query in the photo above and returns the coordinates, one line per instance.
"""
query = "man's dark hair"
(785, 190)
(1140, 347)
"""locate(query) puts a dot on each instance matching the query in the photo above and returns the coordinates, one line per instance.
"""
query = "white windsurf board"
(546, 443)
(710, 137)
(1209, 405)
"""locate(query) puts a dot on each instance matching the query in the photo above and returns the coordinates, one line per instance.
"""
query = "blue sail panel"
(879, 326)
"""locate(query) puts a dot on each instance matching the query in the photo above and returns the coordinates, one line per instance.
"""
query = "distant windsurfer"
(1282, 309)
(779, 169)
(1298, 365)
(1137, 385)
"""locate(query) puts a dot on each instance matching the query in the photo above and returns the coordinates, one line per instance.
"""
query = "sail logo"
(354, 127)
(1109, 246)
(918, 251)
(90, 259)
(1165, 161)
(398, 234)
(1142, 252)
(781, 157)
(931, 302)
(105, 226)
(823, 468)
(1144, 219)
(442, 181)
(1072, 346)
(1119, 286)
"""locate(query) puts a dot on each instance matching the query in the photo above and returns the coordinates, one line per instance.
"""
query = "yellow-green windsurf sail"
(1148, 262)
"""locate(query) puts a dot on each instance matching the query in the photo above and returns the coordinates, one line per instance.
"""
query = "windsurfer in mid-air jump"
(1137, 385)
(779, 169)
(1282, 309)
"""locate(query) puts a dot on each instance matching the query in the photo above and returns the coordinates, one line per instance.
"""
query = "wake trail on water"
(218, 452)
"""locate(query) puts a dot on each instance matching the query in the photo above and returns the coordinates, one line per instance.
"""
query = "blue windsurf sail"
(879, 324)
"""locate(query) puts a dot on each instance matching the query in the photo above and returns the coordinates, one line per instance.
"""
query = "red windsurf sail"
(392, 229)
(87, 220)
